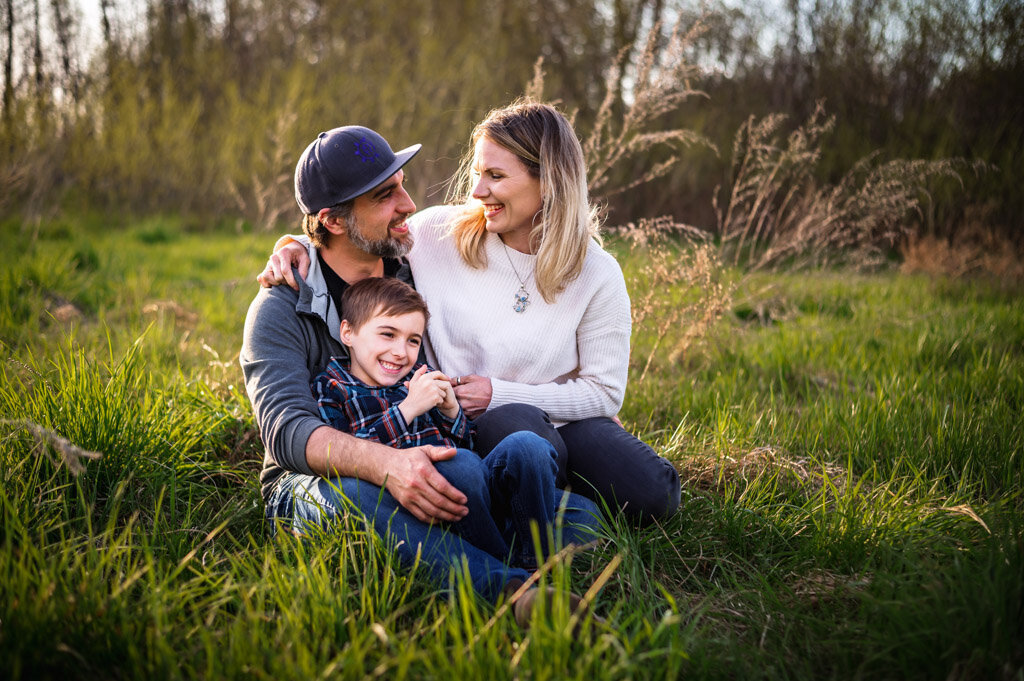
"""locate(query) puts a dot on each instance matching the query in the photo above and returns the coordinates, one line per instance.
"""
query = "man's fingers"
(437, 504)
(429, 513)
(425, 492)
(442, 493)
(283, 269)
(439, 453)
(289, 278)
(419, 513)
(269, 276)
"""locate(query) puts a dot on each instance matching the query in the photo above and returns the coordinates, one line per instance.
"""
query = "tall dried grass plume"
(660, 84)
(679, 291)
(71, 455)
(775, 213)
(974, 251)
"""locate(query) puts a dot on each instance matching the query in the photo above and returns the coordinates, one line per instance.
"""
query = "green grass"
(851, 448)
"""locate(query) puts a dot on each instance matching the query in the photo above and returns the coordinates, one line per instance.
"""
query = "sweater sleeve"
(277, 377)
(598, 386)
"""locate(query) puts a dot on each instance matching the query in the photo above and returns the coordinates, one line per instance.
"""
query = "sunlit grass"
(850, 450)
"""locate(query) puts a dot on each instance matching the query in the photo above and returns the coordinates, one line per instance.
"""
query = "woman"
(529, 313)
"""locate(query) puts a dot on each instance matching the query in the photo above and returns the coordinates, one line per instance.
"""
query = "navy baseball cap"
(343, 163)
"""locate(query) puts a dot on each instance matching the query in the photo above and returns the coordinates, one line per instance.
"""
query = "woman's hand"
(474, 394)
(279, 266)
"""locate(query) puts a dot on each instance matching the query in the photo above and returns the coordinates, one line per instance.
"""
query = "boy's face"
(384, 348)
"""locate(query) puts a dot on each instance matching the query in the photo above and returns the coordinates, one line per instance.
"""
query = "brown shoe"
(523, 606)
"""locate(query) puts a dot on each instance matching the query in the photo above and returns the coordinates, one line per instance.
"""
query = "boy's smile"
(385, 348)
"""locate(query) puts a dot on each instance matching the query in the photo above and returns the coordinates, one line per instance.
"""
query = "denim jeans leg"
(608, 462)
(301, 502)
(522, 470)
(496, 424)
(581, 517)
(468, 473)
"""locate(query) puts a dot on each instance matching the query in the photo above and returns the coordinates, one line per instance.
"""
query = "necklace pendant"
(522, 300)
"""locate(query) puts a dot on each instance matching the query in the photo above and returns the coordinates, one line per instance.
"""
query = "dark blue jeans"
(514, 486)
(596, 457)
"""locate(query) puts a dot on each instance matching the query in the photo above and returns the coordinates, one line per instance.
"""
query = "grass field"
(851, 448)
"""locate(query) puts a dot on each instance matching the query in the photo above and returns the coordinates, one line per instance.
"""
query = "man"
(349, 185)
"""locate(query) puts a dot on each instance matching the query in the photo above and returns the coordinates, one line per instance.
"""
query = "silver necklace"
(522, 295)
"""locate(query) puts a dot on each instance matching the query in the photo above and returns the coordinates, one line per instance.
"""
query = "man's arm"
(408, 474)
(275, 362)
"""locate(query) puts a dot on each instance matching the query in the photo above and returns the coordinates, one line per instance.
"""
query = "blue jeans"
(504, 494)
(596, 457)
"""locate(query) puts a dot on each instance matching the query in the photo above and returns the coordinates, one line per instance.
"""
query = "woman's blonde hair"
(542, 138)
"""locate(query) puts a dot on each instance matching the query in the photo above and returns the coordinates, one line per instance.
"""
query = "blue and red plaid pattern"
(372, 413)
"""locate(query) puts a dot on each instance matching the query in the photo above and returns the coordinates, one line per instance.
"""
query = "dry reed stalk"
(712, 472)
(974, 251)
(677, 289)
(71, 455)
(661, 84)
(776, 213)
(822, 586)
(268, 197)
(181, 314)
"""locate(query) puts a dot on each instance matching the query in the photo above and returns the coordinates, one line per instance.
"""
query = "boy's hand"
(426, 391)
(450, 404)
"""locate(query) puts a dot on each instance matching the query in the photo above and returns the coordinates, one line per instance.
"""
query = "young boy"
(381, 392)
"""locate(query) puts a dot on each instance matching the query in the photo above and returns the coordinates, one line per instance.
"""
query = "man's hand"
(279, 265)
(474, 394)
(416, 484)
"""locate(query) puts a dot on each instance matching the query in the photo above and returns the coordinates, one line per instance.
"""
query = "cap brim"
(401, 158)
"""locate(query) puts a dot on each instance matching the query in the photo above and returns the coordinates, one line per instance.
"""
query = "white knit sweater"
(569, 358)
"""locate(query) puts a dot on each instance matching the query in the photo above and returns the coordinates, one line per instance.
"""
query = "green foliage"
(204, 107)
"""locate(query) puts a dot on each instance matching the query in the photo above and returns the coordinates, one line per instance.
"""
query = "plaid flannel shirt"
(372, 413)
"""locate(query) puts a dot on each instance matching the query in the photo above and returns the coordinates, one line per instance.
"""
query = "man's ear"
(346, 333)
(333, 225)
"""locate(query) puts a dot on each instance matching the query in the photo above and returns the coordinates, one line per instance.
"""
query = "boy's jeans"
(512, 486)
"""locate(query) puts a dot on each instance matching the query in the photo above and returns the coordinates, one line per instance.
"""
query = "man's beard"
(387, 247)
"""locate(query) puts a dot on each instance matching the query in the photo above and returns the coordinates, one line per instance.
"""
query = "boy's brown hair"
(380, 296)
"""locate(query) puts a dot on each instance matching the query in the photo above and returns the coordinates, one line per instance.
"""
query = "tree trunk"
(63, 28)
(37, 64)
(9, 67)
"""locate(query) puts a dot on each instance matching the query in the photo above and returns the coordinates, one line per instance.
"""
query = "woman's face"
(509, 193)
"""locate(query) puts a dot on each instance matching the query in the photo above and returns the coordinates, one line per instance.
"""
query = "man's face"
(377, 225)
